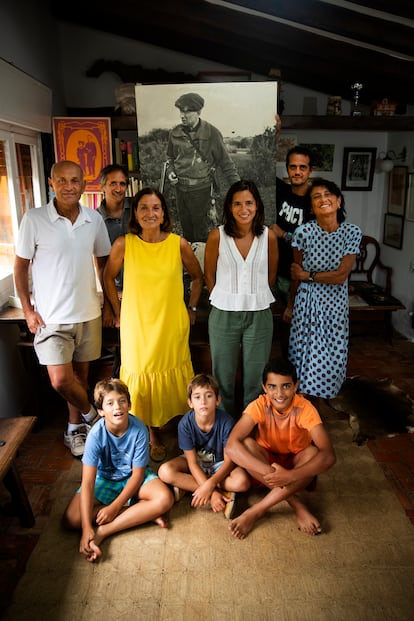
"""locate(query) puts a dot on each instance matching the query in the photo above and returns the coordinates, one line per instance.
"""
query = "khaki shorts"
(61, 343)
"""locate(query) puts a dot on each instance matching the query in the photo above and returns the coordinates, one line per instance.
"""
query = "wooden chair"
(369, 301)
(368, 261)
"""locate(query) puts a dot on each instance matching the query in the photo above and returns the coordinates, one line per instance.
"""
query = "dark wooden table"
(13, 432)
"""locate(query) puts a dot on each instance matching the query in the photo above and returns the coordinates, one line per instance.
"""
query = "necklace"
(152, 241)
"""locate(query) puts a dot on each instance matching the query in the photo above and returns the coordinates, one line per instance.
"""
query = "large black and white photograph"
(196, 140)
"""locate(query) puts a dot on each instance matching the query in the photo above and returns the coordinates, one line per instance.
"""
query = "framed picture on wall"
(397, 190)
(322, 155)
(358, 168)
(86, 141)
(409, 214)
(393, 230)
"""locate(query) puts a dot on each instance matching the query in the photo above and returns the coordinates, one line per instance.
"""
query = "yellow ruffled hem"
(157, 397)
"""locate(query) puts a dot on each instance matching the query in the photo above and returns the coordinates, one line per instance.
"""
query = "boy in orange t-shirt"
(289, 449)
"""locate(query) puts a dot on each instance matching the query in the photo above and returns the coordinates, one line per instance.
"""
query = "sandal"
(158, 453)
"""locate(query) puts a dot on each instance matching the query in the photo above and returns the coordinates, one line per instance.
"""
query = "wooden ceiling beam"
(254, 44)
(336, 20)
(403, 8)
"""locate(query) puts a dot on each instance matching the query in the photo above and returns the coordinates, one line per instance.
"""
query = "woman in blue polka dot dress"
(324, 251)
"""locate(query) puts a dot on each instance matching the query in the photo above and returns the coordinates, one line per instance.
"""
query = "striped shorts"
(107, 490)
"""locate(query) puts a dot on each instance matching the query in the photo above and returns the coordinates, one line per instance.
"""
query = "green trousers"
(232, 331)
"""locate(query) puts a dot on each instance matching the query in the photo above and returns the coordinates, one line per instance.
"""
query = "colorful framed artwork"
(358, 168)
(86, 141)
(397, 191)
(393, 230)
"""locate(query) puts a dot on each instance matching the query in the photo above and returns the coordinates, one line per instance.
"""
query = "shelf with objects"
(394, 122)
(365, 123)
(125, 151)
(373, 123)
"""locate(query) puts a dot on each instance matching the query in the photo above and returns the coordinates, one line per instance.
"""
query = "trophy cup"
(356, 88)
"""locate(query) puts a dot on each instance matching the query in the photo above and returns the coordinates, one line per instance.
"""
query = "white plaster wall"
(29, 41)
(367, 209)
(363, 208)
(59, 54)
(80, 47)
(403, 276)
(99, 92)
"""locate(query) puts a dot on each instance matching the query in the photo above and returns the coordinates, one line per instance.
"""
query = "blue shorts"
(106, 490)
(208, 467)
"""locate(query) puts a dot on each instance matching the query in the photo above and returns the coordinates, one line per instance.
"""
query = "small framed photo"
(393, 230)
(358, 168)
(409, 214)
(397, 191)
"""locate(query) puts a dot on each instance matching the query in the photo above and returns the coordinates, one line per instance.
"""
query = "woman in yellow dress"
(154, 321)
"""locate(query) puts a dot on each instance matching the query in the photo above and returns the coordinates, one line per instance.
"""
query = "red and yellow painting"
(86, 141)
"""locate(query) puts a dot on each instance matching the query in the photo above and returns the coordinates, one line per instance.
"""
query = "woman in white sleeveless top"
(240, 265)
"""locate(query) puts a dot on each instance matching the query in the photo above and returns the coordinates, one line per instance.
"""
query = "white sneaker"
(94, 419)
(75, 441)
(178, 493)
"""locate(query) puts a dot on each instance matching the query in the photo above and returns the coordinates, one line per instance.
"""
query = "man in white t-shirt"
(63, 311)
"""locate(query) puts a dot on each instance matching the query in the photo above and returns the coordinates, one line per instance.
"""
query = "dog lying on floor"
(375, 407)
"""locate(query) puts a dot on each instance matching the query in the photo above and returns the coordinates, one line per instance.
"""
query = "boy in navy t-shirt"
(203, 469)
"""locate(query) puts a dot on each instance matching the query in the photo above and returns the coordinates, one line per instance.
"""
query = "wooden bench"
(369, 301)
(13, 432)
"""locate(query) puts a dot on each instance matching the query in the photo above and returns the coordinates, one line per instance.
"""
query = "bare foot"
(241, 526)
(96, 552)
(306, 521)
(161, 521)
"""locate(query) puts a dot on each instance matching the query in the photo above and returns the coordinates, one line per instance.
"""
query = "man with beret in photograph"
(195, 152)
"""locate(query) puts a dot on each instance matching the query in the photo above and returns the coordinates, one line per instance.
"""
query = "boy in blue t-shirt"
(115, 474)
(203, 469)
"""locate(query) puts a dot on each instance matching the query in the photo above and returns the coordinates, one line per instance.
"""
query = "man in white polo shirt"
(60, 241)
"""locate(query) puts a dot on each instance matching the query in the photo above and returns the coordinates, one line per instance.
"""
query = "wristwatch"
(288, 236)
(192, 308)
(311, 277)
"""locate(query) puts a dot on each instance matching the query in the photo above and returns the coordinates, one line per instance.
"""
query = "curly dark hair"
(319, 182)
(230, 226)
(134, 226)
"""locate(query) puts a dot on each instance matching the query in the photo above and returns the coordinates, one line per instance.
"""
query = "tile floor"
(43, 461)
